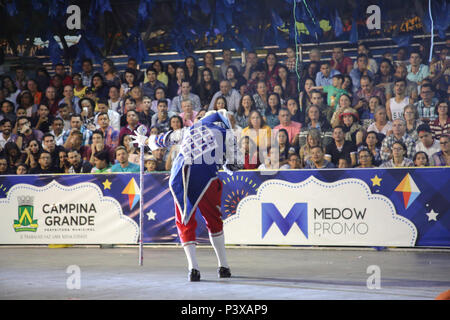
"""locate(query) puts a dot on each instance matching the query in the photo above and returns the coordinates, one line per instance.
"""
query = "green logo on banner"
(25, 220)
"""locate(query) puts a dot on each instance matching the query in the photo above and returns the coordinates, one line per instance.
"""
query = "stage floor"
(258, 273)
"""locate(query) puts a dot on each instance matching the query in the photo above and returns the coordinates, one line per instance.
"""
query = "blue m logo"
(298, 214)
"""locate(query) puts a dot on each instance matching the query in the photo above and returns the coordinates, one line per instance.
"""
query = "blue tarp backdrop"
(419, 195)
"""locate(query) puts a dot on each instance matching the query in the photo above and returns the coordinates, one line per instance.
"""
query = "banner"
(342, 207)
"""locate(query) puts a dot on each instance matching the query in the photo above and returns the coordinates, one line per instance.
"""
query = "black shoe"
(194, 275)
(224, 272)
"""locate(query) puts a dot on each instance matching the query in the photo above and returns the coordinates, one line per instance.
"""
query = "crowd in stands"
(338, 113)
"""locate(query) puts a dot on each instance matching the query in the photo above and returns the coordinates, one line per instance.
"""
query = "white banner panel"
(314, 212)
(58, 214)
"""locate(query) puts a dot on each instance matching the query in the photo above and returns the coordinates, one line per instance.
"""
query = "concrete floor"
(258, 273)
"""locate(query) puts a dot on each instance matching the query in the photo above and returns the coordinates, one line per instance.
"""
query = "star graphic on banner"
(151, 215)
(376, 181)
(106, 184)
(432, 215)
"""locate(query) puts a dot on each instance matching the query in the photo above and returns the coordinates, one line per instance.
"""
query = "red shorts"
(209, 207)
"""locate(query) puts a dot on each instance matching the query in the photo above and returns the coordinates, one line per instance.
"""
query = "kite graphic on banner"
(409, 190)
(133, 191)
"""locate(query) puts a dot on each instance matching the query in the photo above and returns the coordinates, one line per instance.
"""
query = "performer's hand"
(139, 139)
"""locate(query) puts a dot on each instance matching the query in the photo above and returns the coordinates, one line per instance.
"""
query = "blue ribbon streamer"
(432, 31)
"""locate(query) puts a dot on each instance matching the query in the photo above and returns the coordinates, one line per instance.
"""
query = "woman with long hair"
(161, 75)
(271, 65)
(344, 102)
(258, 130)
(99, 87)
(191, 71)
(171, 71)
(347, 85)
(313, 139)
(220, 103)
(175, 123)
(209, 62)
(287, 83)
(110, 75)
(273, 108)
(13, 154)
(235, 78)
(283, 146)
(297, 115)
(174, 88)
(32, 153)
(305, 94)
(246, 106)
(385, 74)
(207, 87)
(130, 82)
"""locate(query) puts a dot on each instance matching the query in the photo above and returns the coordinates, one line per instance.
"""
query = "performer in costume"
(194, 182)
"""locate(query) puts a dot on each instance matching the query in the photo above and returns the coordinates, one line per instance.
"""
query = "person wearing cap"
(150, 163)
(427, 143)
(348, 120)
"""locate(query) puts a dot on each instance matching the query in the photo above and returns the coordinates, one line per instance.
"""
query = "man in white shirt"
(58, 131)
(114, 117)
(427, 143)
(114, 100)
(6, 133)
(231, 95)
